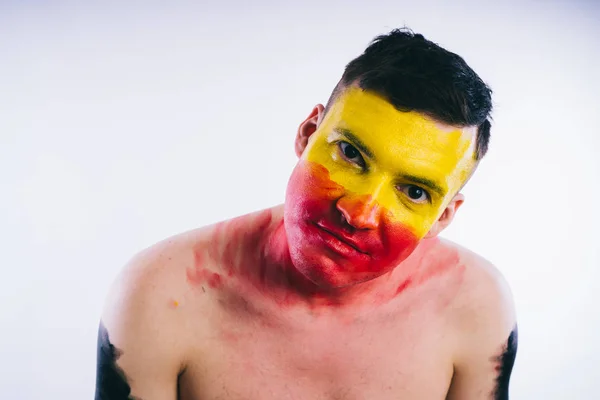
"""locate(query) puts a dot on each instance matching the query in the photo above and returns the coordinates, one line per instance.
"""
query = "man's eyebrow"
(356, 142)
(432, 185)
(425, 182)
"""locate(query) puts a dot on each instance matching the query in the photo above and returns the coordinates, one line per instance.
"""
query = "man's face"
(370, 184)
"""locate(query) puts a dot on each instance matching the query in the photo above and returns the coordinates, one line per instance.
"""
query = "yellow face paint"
(398, 153)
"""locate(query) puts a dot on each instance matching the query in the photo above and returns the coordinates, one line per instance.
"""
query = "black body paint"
(111, 382)
(505, 365)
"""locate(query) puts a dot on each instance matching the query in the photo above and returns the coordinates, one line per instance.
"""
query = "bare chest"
(372, 359)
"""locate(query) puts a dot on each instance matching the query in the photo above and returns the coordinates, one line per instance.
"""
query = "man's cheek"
(310, 185)
(398, 240)
(418, 220)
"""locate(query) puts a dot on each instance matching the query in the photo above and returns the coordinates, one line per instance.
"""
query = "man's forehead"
(369, 115)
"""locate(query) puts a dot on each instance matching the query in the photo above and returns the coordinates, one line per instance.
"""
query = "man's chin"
(328, 274)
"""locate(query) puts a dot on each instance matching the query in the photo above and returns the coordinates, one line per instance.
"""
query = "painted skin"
(369, 186)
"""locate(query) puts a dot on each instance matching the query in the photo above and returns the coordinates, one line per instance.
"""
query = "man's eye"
(351, 154)
(415, 193)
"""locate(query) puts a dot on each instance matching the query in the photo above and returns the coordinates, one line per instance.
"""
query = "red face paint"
(337, 238)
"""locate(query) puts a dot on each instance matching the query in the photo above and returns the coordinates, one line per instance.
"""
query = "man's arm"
(487, 377)
(137, 355)
(111, 381)
(505, 362)
(488, 347)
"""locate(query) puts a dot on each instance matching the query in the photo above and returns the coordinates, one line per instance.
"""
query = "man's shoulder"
(162, 268)
(146, 307)
(152, 286)
(485, 303)
(479, 272)
(162, 262)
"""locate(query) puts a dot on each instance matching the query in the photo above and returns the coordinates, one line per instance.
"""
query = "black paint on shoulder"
(111, 383)
(505, 365)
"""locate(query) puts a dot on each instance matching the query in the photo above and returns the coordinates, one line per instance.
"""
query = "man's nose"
(360, 211)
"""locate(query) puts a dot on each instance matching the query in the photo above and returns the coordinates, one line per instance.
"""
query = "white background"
(121, 125)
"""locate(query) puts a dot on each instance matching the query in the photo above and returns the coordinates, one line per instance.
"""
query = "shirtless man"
(345, 291)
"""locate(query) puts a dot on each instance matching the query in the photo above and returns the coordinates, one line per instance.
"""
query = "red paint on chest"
(198, 275)
(403, 286)
(231, 251)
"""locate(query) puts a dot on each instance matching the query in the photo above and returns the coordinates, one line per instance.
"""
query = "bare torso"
(241, 342)
(202, 316)
(393, 353)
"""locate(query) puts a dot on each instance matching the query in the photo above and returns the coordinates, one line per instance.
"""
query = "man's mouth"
(341, 237)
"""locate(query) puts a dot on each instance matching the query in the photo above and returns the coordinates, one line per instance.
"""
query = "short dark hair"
(415, 74)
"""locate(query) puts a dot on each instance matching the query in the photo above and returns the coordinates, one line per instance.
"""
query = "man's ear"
(447, 216)
(308, 127)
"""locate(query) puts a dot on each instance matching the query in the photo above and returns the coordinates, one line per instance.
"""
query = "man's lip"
(341, 238)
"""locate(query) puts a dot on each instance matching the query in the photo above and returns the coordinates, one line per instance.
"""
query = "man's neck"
(263, 258)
